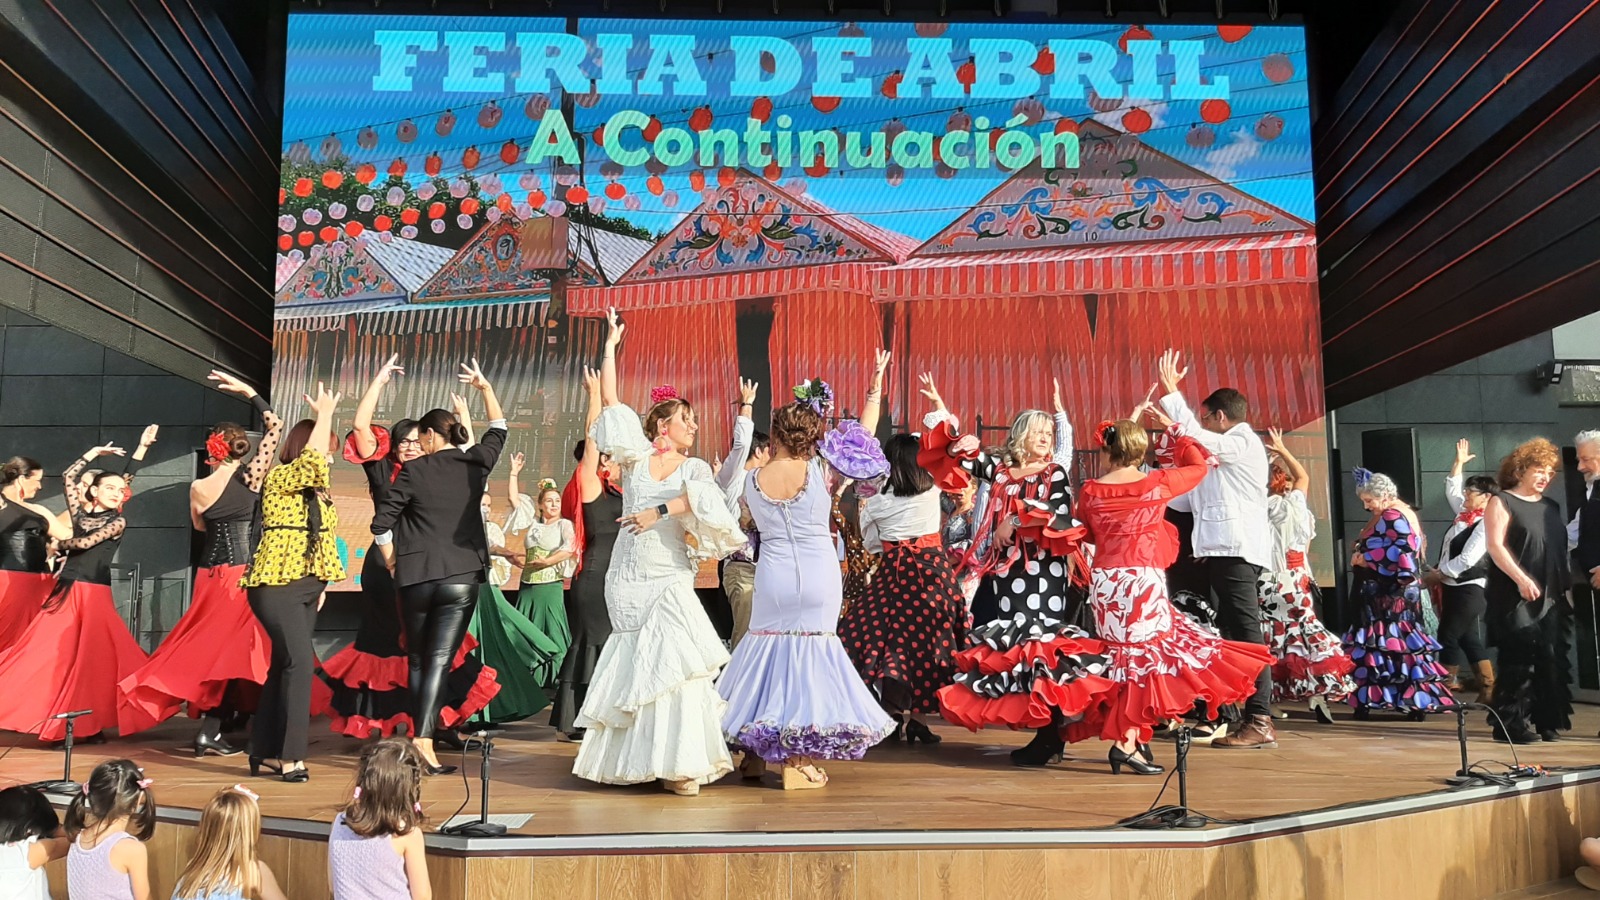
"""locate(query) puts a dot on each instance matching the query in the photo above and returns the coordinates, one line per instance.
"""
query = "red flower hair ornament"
(663, 393)
(1105, 432)
(217, 449)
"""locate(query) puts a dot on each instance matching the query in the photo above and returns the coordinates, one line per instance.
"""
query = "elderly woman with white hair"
(1397, 663)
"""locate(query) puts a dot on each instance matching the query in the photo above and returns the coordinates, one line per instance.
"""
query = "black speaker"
(1393, 451)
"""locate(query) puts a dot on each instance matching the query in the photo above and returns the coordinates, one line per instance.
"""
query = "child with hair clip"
(375, 849)
(224, 865)
(116, 804)
(30, 838)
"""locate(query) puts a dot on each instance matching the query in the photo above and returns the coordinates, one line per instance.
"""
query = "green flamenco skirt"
(517, 650)
(545, 606)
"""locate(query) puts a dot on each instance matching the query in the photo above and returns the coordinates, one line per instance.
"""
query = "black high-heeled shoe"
(1044, 749)
(205, 743)
(1118, 759)
(300, 775)
(258, 763)
(919, 731)
(899, 732)
(437, 770)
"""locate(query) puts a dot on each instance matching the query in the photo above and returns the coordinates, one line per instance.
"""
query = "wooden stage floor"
(964, 784)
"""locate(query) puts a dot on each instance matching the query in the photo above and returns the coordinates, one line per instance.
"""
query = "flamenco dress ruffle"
(70, 657)
(910, 623)
(516, 651)
(22, 595)
(1309, 660)
(1396, 662)
(1026, 674)
(218, 640)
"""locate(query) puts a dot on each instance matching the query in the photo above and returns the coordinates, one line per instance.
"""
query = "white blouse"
(888, 517)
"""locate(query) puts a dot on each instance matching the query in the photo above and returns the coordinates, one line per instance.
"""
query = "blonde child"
(224, 865)
(109, 823)
(375, 849)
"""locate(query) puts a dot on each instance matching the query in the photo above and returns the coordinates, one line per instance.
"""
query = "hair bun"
(1105, 433)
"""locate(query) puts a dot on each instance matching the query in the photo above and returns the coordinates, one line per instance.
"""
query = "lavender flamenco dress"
(790, 687)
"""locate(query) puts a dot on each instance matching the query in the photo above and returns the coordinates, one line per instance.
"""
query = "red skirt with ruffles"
(1023, 674)
(217, 640)
(21, 597)
(375, 691)
(69, 658)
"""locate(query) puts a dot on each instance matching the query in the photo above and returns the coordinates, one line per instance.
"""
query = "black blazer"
(1587, 556)
(434, 509)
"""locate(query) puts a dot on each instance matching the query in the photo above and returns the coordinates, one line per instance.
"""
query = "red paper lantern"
(332, 179)
(726, 176)
(536, 198)
(302, 187)
(470, 205)
(285, 242)
(409, 216)
(305, 238)
(354, 229)
(652, 130)
(1136, 33)
(577, 194)
(1232, 33)
(818, 168)
(654, 185)
(283, 196)
(432, 165)
(1269, 127)
(772, 172)
(329, 234)
(366, 172)
(503, 202)
(382, 223)
(1045, 62)
(616, 191)
(600, 136)
(967, 75)
(891, 85)
(510, 153)
(1066, 125)
(825, 105)
(700, 119)
(470, 158)
(446, 122)
(761, 109)
(697, 180)
(397, 169)
(1215, 111)
(435, 210)
(1136, 121)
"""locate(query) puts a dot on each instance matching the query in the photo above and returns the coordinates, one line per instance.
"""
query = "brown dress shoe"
(1257, 734)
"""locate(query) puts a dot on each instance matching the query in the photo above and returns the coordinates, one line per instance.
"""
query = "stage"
(1352, 809)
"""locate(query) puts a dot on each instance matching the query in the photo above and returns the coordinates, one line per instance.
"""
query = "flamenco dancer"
(1397, 663)
(903, 634)
(794, 697)
(550, 557)
(73, 654)
(369, 678)
(429, 529)
(218, 642)
(1311, 664)
(26, 530)
(592, 502)
(652, 712)
(1527, 603)
(1027, 488)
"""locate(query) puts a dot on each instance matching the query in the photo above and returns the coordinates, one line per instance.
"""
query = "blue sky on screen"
(332, 60)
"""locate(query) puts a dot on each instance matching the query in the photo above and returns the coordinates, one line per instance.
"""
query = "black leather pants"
(436, 618)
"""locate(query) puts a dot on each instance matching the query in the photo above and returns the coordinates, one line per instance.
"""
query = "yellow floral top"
(282, 555)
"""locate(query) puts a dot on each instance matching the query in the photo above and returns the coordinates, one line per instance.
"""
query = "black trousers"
(288, 613)
(435, 615)
(1459, 624)
(1233, 581)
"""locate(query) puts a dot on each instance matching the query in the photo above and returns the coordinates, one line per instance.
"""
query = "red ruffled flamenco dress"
(369, 679)
(1157, 662)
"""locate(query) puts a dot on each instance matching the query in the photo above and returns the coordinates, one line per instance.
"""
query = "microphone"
(72, 715)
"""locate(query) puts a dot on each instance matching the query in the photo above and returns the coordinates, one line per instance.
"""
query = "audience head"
(1123, 443)
(1379, 493)
(1587, 443)
(439, 429)
(760, 451)
(116, 789)
(224, 857)
(907, 477)
(797, 428)
(1222, 409)
(24, 814)
(1032, 438)
(388, 795)
(404, 445)
(1529, 468)
(23, 475)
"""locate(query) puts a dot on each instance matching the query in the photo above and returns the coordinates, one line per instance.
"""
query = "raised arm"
(132, 464)
(871, 411)
(322, 405)
(966, 449)
(1299, 478)
(458, 405)
(366, 441)
(744, 434)
(1454, 490)
(589, 466)
(1064, 450)
(494, 437)
(608, 363)
(512, 493)
(256, 471)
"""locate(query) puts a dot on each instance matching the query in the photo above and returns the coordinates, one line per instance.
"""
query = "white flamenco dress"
(652, 711)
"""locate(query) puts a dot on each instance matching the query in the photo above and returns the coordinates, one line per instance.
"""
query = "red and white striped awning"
(1096, 268)
(424, 318)
(592, 301)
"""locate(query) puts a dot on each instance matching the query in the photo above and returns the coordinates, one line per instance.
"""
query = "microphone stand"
(66, 785)
(1464, 776)
(1180, 816)
(483, 827)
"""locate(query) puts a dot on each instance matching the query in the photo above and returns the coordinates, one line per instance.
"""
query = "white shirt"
(1293, 527)
(731, 476)
(887, 517)
(1472, 551)
(1572, 526)
(1230, 505)
(17, 880)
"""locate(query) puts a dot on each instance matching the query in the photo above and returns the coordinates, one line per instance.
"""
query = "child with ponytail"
(375, 849)
(115, 805)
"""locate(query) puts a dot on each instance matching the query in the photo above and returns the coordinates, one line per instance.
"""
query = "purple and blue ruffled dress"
(1397, 663)
(790, 687)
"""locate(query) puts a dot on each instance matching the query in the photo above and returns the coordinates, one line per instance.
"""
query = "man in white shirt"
(1232, 534)
(1583, 532)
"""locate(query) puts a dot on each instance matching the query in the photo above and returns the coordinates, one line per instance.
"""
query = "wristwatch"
(662, 510)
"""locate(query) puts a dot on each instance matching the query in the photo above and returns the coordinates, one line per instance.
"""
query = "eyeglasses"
(1211, 415)
(413, 441)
